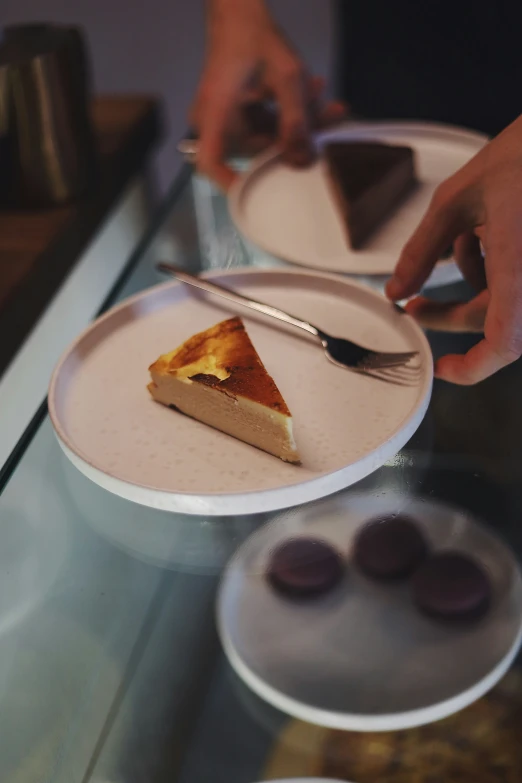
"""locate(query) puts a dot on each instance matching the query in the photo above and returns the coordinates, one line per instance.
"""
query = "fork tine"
(381, 361)
(399, 372)
(404, 356)
(408, 368)
(387, 377)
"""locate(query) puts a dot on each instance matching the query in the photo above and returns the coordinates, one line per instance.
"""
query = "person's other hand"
(482, 200)
(249, 62)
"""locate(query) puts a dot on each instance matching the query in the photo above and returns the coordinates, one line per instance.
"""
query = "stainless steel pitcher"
(44, 91)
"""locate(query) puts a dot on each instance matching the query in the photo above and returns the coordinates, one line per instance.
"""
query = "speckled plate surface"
(292, 215)
(346, 425)
(362, 657)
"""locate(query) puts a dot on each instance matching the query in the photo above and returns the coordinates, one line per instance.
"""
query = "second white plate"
(363, 658)
(291, 213)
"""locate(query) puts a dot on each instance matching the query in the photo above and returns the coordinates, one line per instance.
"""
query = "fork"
(343, 353)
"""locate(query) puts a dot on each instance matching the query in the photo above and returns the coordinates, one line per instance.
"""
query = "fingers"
(485, 358)
(322, 114)
(503, 246)
(217, 105)
(451, 316)
(330, 114)
(443, 221)
(477, 364)
(294, 129)
(470, 260)
(211, 154)
(259, 119)
(231, 115)
(498, 309)
(502, 343)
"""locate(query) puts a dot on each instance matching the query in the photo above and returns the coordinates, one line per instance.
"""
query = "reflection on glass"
(186, 543)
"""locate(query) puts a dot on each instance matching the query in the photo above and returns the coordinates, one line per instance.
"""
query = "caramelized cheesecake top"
(223, 357)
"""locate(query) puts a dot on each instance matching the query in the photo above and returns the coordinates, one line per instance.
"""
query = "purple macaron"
(452, 586)
(304, 567)
(390, 547)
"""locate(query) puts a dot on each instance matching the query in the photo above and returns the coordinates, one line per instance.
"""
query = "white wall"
(156, 46)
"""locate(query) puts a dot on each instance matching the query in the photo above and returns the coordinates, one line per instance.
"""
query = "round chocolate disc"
(390, 547)
(452, 586)
(304, 567)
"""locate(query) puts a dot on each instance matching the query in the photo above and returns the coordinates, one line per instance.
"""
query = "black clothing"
(454, 61)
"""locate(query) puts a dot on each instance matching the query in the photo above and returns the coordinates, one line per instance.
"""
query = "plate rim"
(258, 162)
(355, 721)
(267, 500)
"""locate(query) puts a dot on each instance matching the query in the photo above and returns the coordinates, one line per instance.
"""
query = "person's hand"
(483, 200)
(248, 62)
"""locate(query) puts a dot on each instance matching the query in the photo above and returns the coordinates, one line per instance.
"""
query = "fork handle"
(234, 296)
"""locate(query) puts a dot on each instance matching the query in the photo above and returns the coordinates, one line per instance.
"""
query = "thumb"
(213, 134)
(441, 224)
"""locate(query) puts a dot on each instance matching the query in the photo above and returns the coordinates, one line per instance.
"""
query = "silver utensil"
(341, 352)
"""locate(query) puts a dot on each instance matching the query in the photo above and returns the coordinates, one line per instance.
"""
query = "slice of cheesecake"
(217, 377)
(369, 180)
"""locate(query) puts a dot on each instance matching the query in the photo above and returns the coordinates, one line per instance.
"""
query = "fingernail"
(394, 289)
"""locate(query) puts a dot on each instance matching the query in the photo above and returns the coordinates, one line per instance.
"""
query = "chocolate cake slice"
(369, 180)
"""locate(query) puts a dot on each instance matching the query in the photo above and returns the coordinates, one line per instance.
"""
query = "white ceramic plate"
(346, 425)
(291, 213)
(363, 658)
